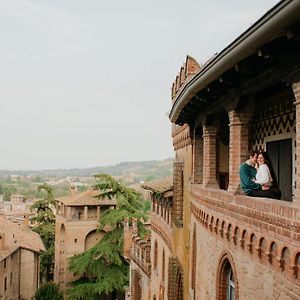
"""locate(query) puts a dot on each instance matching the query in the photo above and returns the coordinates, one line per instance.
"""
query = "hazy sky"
(87, 83)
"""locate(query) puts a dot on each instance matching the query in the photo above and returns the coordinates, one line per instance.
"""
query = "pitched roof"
(85, 198)
(17, 236)
(159, 186)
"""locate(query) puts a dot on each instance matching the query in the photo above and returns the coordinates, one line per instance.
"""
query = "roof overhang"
(273, 23)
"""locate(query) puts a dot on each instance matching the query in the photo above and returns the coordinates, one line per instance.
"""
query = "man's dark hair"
(251, 152)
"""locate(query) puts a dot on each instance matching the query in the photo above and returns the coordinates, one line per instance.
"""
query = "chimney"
(25, 223)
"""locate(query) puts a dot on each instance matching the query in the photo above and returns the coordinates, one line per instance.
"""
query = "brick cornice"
(271, 235)
(162, 233)
(280, 217)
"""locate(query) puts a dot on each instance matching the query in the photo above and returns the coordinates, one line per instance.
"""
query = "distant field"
(26, 181)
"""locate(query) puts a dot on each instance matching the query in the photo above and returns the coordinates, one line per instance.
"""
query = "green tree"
(45, 227)
(48, 291)
(103, 269)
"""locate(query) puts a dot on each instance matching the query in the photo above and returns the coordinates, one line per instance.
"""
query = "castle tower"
(77, 218)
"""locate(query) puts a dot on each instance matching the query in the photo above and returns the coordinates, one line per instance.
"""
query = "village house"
(77, 220)
(20, 249)
(219, 243)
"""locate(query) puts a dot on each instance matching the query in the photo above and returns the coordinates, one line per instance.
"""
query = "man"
(247, 176)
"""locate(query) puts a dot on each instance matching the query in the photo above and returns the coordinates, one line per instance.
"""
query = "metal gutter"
(282, 15)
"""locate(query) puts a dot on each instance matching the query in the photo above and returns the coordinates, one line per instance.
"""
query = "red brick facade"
(220, 243)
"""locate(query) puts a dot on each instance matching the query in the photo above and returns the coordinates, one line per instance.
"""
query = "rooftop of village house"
(16, 236)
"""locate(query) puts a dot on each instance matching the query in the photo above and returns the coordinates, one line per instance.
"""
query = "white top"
(263, 175)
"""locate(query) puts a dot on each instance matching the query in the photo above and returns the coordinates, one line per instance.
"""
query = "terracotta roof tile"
(16, 236)
(85, 198)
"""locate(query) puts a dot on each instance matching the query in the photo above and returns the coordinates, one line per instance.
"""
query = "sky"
(88, 83)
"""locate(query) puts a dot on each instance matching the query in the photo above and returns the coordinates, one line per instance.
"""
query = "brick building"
(223, 244)
(77, 219)
(20, 249)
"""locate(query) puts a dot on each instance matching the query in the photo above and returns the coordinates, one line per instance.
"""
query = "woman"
(263, 175)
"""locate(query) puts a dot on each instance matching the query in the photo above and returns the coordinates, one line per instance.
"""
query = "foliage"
(48, 291)
(27, 186)
(45, 227)
(103, 268)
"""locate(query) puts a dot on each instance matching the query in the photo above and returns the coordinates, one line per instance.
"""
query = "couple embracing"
(256, 178)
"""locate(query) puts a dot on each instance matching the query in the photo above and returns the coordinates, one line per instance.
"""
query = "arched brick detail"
(252, 243)
(221, 285)
(272, 253)
(281, 256)
(136, 291)
(236, 235)
(296, 267)
(285, 259)
(175, 288)
(262, 249)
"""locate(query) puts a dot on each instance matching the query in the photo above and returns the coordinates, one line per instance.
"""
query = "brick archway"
(226, 263)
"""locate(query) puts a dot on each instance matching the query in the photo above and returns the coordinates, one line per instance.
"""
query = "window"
(230, 285)
(5, 284)
(227, 284)
(4, 263)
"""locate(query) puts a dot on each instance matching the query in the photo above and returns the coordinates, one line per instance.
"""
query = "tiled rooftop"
(85, 198)
(16, 236)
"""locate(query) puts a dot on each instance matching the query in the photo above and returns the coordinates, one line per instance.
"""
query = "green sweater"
(248, 172)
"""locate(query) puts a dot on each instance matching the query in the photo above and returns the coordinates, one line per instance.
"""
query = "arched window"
(230, 285)
(227, 285)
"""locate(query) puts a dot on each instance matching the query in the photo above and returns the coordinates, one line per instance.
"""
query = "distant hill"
(138, 171)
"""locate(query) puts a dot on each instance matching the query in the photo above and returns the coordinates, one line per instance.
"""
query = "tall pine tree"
(45, 227)
(103, 269)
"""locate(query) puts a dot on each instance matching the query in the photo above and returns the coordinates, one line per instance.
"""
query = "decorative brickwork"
(177, 206)
(186, 73)
(136, 290)
(272, 119)
(181, 137)
(279, 252)
(175, 288)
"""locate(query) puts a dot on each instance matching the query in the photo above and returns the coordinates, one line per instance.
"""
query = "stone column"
(209, 157)
(296, 89)
(238, 145)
